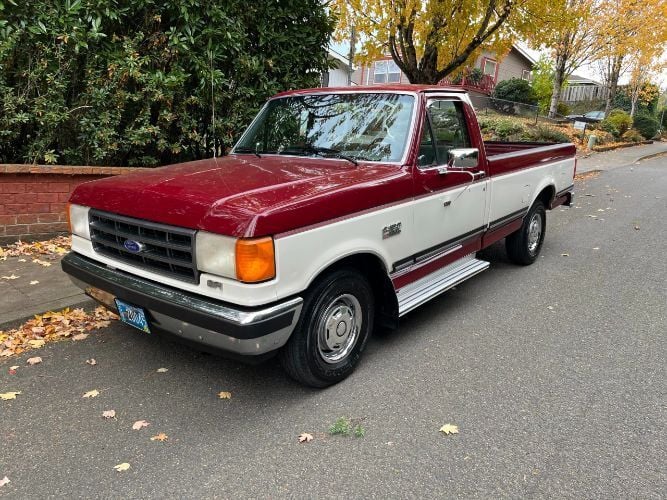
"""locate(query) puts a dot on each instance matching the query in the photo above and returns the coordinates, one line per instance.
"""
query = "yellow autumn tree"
(570, 38)
(632, 29)
(430, 39)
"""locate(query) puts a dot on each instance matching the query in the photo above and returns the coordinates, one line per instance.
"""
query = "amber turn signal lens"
(255, 260)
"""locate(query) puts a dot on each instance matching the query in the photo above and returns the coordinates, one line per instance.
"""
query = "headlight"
(78, 220)
(249, 260)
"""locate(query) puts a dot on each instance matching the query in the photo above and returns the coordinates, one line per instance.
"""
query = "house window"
(386, 72)
(525, 74)
(489, 67)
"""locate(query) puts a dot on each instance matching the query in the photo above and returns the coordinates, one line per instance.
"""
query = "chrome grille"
(168, 250)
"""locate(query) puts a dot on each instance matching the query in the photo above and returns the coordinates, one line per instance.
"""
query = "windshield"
(357, 126)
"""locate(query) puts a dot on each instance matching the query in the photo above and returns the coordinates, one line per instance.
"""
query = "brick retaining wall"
(33, 198)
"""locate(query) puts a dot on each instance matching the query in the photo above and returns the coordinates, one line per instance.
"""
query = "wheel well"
(547, 196)
(370, 266)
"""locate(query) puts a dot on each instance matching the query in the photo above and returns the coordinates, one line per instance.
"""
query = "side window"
(426, 156)
(449, 128)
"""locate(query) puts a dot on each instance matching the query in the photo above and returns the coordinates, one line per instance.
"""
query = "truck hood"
(245, 196)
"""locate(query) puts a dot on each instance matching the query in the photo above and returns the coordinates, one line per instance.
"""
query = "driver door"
(449, 201)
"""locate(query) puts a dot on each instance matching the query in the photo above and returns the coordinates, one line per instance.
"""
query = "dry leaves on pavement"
(91, 394)
(140, 424)
(91, 362)
(51, 248)
(122, 467)
(52, 326)
(162, 370)
(225, 395)
(160, 437)
(109, 414)
(6, 396)
(448, 429)
(5, 480)
(34, 361)
(304, 437)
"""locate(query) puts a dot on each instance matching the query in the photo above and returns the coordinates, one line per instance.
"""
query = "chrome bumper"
(245, 331)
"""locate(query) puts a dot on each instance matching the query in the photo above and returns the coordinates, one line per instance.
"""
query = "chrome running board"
(424, 289)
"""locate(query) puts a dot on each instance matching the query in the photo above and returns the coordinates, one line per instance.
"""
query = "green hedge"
(129, 82)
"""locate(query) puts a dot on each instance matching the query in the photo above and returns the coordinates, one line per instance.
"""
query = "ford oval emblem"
(134, 246)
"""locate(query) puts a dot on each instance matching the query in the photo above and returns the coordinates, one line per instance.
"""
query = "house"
(580, 89)
(337, 75)
(516, 64)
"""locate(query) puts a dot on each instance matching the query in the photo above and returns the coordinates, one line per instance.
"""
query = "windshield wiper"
(320, 151)
(246, 149)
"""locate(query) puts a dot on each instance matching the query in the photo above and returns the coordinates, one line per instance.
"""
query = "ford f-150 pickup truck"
(337, 212)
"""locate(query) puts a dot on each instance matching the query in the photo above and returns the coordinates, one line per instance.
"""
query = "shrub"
(632, 135)
(620, 120)
(563, 109)
(500, 128)
(544, 133)
(129, 82)
(516, 90)
(608, 127)
(646, 125)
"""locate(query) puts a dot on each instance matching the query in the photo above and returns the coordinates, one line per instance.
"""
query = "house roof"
(581, 80)
(338, 57)
(522, 52)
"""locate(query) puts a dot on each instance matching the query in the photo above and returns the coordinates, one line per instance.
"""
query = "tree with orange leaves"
(430, 39)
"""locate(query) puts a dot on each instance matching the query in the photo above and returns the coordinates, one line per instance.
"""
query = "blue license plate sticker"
(133, 316)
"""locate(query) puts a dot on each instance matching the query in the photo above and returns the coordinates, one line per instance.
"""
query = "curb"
(652, 155)
(15, 323)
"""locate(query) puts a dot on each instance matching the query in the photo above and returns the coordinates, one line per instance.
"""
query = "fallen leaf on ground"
(160, 437)
(91, 394)
(162, 370)
(551, 308)
(225, 395)
(304, 437)
(41, 262)
(596, 248)
(53, 326)
(140, 424)
(22, 260)
(53, 247)
(636, 228)
(80, 336)
(449, 429)
(565, 255)
(34, 361)
(14, 368)
(11, 277)
(122, 467)
(5, 480)
(6, 396)
(34, 282)
(91, 362)
(109, 413)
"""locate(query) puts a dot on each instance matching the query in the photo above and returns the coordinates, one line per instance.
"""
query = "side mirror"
(463, 158)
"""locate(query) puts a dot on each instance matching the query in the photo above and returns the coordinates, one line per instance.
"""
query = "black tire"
(524, 245)
(310, 356)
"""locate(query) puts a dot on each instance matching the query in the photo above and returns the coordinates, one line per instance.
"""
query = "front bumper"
(239, 330)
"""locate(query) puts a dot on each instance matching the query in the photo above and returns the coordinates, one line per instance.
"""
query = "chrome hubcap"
(534, 233)
(338, 330)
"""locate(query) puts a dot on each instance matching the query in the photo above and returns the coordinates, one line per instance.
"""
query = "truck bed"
(506, 156)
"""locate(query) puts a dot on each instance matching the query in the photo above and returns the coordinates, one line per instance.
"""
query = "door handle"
(478, 175)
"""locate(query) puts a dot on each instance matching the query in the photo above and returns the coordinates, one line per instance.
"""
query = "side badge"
(391, 230)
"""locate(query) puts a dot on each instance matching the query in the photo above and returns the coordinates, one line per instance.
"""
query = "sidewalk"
(19, 299)
(619, 157)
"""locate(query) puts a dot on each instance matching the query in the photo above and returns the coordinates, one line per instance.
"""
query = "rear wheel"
(335, 323)
(524, 245)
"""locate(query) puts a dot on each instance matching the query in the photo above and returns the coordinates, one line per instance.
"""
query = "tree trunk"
(559, 79)
(612, 83)
(350, 58)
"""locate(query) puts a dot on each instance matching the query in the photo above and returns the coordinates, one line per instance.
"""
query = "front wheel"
(524, 245)
(335, 323)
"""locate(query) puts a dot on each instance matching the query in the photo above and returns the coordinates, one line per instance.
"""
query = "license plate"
(132, 315)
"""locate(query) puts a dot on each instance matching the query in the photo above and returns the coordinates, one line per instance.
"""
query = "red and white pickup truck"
(337, 212)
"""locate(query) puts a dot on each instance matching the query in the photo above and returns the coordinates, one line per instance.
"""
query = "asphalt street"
(555, 375)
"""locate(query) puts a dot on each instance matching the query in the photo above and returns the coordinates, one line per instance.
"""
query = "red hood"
(242, 195)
